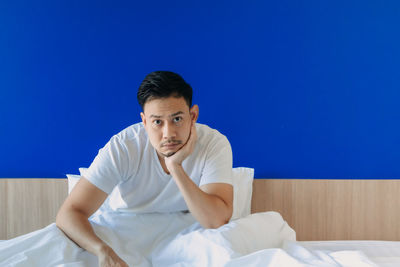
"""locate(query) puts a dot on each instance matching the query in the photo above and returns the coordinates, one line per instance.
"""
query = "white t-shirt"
(128, 169)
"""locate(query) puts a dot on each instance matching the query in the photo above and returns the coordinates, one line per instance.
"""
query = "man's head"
(163, 84)
(167, 113)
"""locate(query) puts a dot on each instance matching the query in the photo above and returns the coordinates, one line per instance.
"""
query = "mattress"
(383, 253)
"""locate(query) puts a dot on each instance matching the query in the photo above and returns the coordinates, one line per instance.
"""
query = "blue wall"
(306, 89)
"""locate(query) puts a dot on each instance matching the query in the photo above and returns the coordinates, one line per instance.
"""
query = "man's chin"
(169, 154)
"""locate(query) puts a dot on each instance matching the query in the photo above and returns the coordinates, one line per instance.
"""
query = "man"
(167, 163)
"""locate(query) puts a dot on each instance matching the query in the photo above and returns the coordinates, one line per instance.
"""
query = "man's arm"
(72, 219)
(212, 204)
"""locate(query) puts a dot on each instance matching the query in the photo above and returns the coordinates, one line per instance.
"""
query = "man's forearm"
(78, 228)
(209, 210)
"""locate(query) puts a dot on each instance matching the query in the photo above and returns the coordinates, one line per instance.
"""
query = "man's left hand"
(180, 155)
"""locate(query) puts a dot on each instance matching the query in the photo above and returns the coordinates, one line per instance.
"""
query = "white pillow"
(242, 191)
(72, 180)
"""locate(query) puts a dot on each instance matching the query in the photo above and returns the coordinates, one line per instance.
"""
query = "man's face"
(168, 122)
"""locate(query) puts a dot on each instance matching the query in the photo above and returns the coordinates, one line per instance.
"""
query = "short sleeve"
(109, 167)
(218, 164)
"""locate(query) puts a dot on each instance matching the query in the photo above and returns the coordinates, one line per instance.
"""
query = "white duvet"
(175, 239)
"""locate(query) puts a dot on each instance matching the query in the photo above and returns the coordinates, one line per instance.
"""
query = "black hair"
(163, 84)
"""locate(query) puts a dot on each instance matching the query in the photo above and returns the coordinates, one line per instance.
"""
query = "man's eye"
(177, 119)
(157, 122)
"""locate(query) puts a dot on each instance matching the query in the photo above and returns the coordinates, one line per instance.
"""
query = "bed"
(327, 215)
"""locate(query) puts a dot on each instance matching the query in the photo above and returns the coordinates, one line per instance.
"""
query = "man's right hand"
(108, 258)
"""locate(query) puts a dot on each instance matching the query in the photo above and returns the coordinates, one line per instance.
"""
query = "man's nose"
(168, 131)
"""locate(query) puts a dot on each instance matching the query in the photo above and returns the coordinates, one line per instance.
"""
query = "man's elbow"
(218, 222)
(214, 224)
(60, 218)
(64, 214)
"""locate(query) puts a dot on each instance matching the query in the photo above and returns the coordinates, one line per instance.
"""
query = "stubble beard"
(168, 155)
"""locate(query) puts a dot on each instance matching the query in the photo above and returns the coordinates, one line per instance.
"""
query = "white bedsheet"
(175, 239)
(384, 253)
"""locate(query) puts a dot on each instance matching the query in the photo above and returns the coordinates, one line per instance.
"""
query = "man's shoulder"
(207, 134)
(211, 144)
(131, 132)
(132, 138)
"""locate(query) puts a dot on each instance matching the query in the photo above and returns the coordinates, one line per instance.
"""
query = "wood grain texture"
(315, 209)
(3, 209)
(333, 209)
(30, 204)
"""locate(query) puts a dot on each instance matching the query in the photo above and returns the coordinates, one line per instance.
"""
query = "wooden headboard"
(315, 209)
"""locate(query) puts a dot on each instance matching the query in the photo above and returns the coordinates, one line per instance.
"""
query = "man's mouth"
(170, 145)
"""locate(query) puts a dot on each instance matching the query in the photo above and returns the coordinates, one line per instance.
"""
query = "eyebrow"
(172, 115)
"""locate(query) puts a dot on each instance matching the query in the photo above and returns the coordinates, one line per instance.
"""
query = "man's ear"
(143, 118)
(194, 113)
